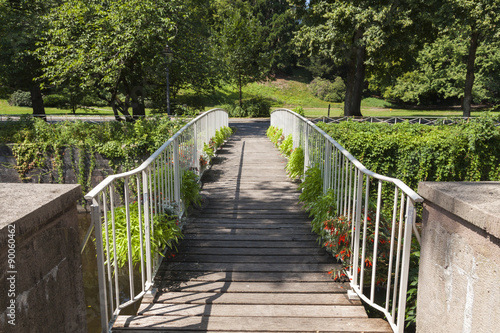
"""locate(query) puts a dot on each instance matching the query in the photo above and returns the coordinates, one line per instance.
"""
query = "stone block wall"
(459, 277)
(41, 287)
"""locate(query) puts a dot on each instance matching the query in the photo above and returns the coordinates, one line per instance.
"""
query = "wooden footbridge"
(248, 262)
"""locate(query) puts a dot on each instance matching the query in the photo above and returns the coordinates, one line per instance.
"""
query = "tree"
(359, 34)
(479, 21)
(20, 31)
(240, 42)
(461, 60)
(109, 47)
(278, 27)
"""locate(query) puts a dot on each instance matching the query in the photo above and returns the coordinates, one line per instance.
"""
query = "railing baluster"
(375, 241)
(96, 220)
(141, 234)
(129, 239)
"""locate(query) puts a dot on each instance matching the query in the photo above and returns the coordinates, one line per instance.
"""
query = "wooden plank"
(277, 237)
(237, 224)
(255, 287)
(232, 258)
(250, 324)
(274, 221)
(263, 252)
(254, 298)
(186, 275)
(249, 267)
(250, 244)
(240, 215)
(259, 310)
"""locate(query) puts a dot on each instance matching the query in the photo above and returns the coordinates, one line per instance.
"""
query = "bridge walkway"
(248, 262)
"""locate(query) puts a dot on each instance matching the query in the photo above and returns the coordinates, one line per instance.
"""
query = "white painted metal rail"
(154, 186)
(359, 194)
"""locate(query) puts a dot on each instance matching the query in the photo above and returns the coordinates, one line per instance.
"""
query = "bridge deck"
(249, 262)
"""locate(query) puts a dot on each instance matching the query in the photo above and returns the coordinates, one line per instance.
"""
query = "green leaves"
(469, 151)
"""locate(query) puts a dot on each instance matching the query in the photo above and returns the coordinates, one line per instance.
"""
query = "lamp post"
(168, 55)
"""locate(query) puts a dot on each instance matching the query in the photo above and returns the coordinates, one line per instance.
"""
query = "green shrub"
(20, 98)
(299, 110)
(469, 151)
(256, 107)
(327, 90)
(55, 100)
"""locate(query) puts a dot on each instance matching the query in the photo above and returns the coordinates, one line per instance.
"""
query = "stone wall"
(41, 287)
(458, 289)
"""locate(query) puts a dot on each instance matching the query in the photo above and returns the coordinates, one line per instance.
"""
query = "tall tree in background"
(194, 65)
(239, 37)
(278, 27)
(109, 46)
(357, 34)
(479, 21)
(20, 30)
(461, 59)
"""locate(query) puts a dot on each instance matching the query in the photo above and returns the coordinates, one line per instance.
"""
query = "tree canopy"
(409, 51)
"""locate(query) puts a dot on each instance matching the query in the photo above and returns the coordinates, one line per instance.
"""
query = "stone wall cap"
(475, 202)
(29, 206)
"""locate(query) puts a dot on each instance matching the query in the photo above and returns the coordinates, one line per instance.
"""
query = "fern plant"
(166, 232)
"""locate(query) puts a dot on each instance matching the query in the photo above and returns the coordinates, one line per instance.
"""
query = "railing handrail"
(108, 180)
(408, 191)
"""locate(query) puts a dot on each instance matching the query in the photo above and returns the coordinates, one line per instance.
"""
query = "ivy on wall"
(42, 146)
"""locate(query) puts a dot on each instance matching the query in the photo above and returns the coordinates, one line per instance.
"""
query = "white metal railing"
(350, 182)
(155, 185)
(396, 120)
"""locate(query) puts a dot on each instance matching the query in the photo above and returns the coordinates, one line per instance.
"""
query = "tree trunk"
(469, 78)
(239, 84)
(37, 102)
(355, 79)
(138, 108)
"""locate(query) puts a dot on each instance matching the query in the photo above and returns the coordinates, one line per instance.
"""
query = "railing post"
(328, 160)
(405, 264)
(196, 153)
(147, 232)
(95, 212)
(306, 148)
(177, 177)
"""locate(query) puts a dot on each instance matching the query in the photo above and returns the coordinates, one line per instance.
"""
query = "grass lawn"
(6, 109)
(281, 93)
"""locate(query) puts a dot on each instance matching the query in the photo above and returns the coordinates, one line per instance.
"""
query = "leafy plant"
(275, 135)
(312, 187)
(327, 90)
(287, 146)
(166, 232)
(295, 164)
(20, 98)
(190, 189)
(299, 110)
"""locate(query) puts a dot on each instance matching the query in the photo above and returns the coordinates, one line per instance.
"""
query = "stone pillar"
(459, 277)
(41, 287)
